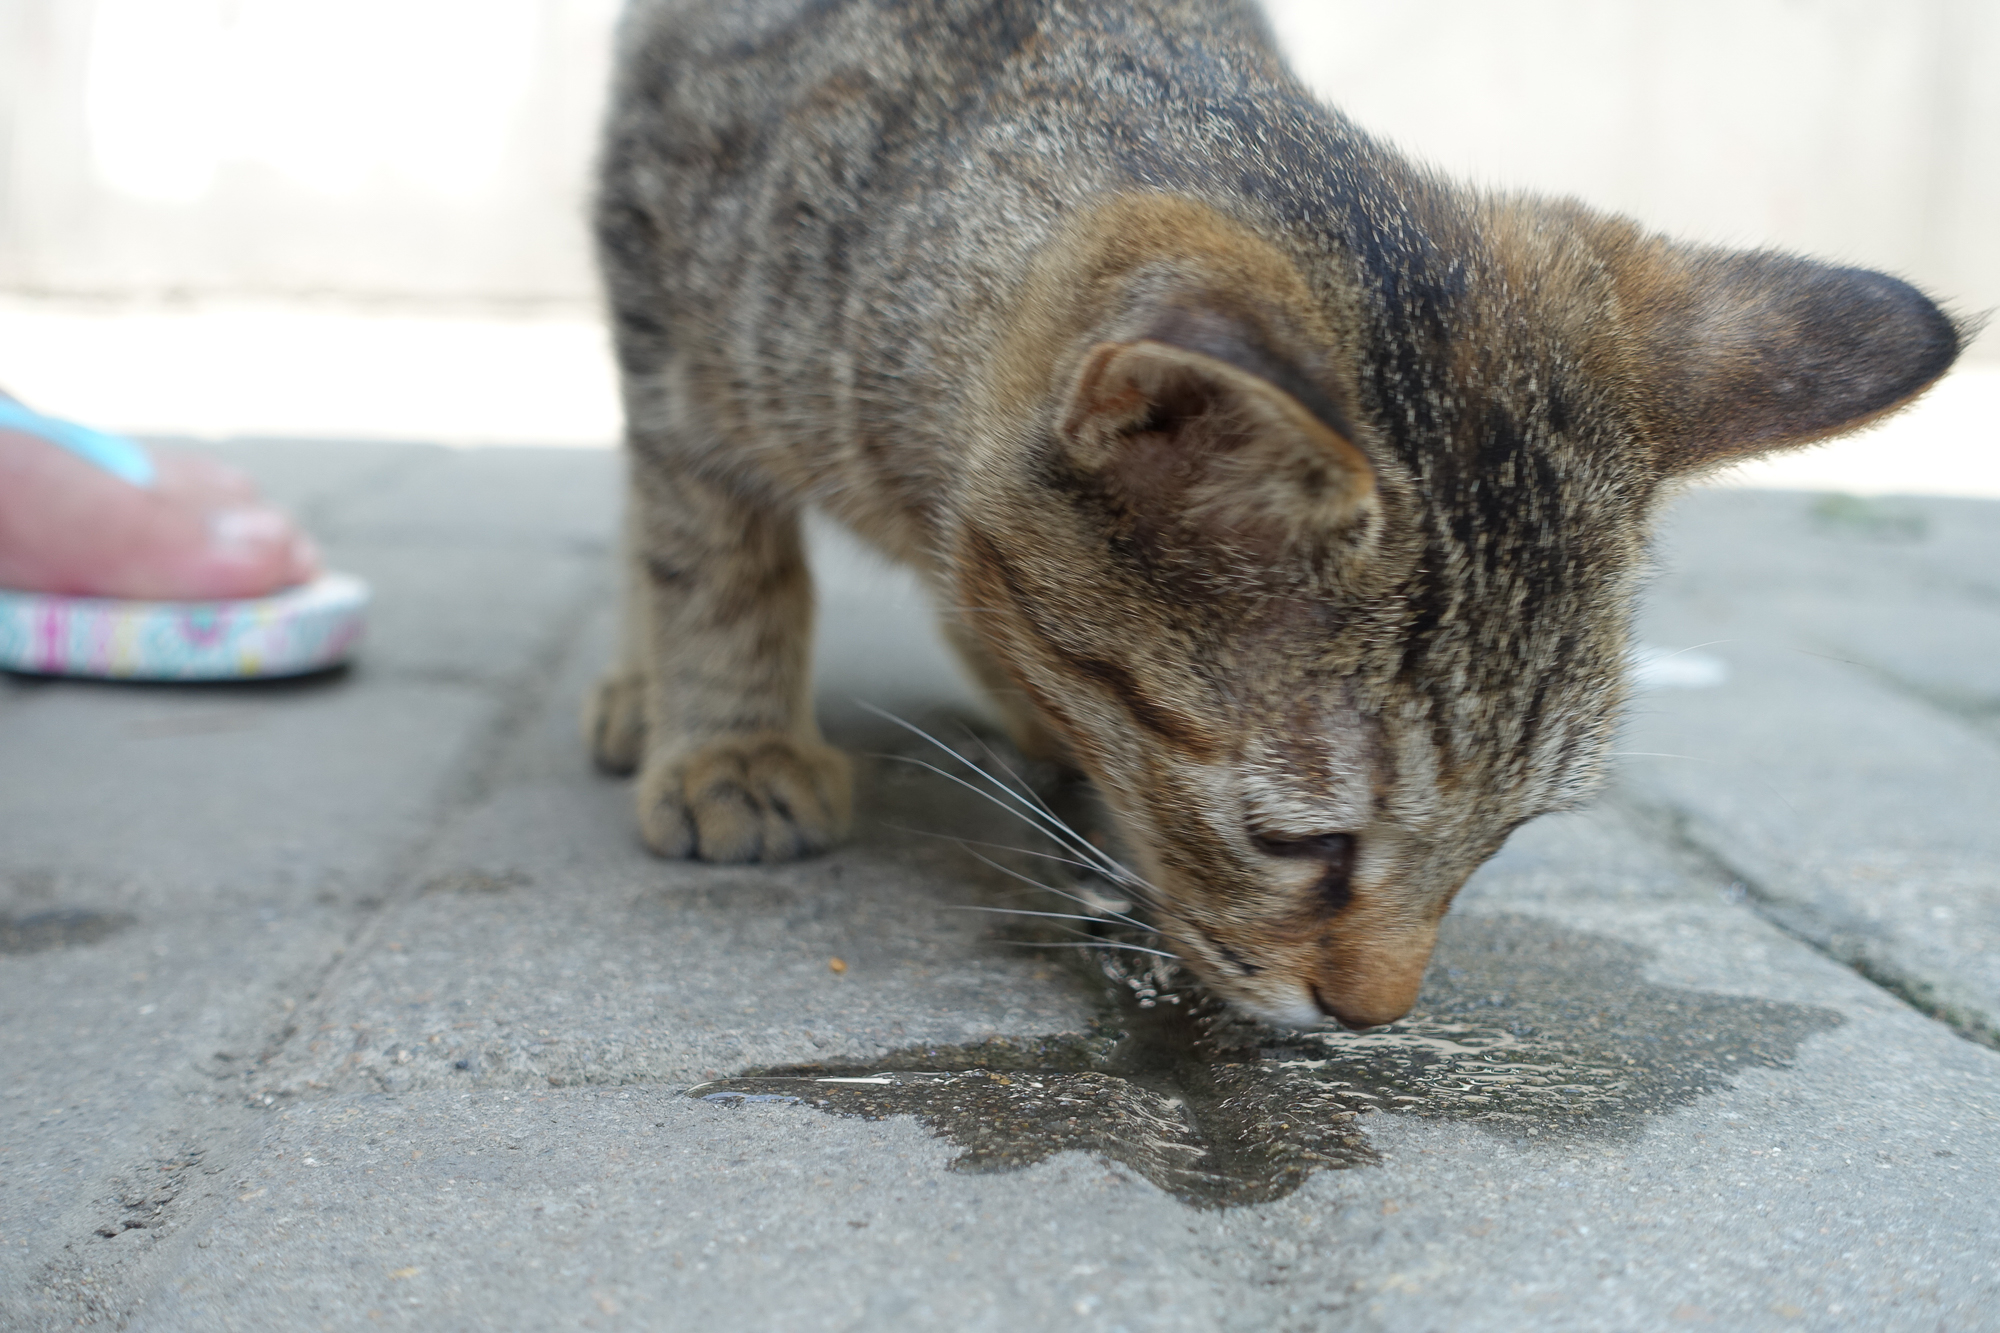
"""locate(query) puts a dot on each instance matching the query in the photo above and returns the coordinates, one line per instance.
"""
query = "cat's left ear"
(1748, 352)
(1191, 443)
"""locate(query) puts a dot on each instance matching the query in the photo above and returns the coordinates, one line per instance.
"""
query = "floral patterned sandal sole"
(291, 633)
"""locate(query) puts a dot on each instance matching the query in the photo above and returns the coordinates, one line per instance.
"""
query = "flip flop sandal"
(299, 630)
(309, 628)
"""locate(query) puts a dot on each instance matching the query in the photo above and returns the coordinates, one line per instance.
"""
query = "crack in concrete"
(232, 1127)
(468, 784)
(1824, 934)
(1982, 712)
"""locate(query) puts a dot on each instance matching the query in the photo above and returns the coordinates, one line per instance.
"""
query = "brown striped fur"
(1295, 495)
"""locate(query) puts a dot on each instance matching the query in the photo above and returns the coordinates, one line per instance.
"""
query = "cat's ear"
(1748, 352)
(1188, 442)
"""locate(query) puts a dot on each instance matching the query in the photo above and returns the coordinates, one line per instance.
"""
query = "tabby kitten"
(1294, 494)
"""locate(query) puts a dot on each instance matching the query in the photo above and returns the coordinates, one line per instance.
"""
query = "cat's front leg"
(711, 700)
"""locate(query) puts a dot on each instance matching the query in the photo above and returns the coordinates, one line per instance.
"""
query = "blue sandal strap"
(117, 455)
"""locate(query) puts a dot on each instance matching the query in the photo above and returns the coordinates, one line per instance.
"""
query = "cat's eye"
(1334, 850)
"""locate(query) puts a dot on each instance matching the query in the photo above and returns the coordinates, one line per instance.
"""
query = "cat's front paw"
(614, 722)
(749, 798)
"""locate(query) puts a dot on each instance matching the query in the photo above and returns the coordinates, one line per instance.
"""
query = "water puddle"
(60, 928)
(1524, 1027)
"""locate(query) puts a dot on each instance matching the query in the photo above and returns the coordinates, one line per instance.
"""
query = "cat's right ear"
(1188, 443)
(1749, 352)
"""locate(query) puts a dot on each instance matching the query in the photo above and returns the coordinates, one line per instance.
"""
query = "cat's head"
(1328, 589)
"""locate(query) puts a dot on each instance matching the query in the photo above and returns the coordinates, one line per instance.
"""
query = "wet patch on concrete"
(1524, 1027)
(61, 928)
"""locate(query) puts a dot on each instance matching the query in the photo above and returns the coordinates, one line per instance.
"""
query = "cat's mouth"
(1315, 1008)
(1300, 1015)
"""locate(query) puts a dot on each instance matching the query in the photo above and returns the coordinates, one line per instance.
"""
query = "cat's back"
(749, 67)
(718, 59)
(848, 104)
(812, 212)
(763, 53)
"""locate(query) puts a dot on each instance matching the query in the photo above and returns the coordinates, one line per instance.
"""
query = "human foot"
(195, 532)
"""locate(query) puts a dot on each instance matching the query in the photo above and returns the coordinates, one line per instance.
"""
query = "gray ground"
(353, 1002)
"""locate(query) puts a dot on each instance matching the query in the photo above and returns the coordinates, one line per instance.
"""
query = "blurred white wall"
(400, 150)
(436, 150)
(364, 218)
(1865, 130)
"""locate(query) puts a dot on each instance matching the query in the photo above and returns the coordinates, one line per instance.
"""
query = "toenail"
(241, 529)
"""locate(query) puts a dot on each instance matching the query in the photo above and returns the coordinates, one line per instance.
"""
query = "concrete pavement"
(353, 1002)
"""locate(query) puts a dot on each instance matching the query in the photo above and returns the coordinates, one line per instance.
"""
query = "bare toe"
(197, 534)
(246, 551)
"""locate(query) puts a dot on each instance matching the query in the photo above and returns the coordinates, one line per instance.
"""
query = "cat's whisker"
(1058, 916)
(1093, 944)
(1007, 768)
(1058, 831)
(919, 732)
(1118, 872)
(1103, 912)
(916, 730)
(1038, 810)
(1693, 647)
(1100, 912)
(996, 846)
(1022, 911)
(1050, 888)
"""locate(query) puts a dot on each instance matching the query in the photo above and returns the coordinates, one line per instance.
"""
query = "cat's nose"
(1355, 1018)
(1365, 983)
